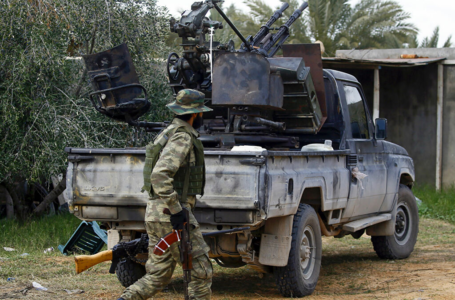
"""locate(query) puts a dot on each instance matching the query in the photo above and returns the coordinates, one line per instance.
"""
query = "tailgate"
(232, 180)
(106, 177)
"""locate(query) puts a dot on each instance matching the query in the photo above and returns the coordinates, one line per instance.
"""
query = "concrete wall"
(448, 144)
(448, 53)
(408, 101)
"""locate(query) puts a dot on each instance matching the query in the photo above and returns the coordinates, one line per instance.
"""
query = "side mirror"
(380, 132)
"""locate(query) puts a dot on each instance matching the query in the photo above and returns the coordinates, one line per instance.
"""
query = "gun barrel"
(283, 33)
(265, 29)
(272, 124)
(83, 262)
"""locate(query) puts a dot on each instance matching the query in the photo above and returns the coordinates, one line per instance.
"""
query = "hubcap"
(307, 252)
(403, 222)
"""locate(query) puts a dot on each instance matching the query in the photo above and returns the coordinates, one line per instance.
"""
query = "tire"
(401, 244)
(300, 276)
(128, 272)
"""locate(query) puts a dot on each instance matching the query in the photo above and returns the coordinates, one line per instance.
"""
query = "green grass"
(436, 204)
(35, 235)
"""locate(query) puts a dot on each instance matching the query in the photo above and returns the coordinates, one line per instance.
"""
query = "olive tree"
(44, 104)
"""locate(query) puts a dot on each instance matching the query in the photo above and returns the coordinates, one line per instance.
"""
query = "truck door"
(367, 155)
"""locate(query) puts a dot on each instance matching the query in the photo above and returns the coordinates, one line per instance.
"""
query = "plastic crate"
(88, 237)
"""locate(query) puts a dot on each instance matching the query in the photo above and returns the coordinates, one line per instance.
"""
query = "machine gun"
(270, 45)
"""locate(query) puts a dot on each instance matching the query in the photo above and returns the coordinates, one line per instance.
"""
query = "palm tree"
(327, 22)
(369, 24)
(432, 41)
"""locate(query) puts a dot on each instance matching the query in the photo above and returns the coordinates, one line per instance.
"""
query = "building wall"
(409, 102)
(448, 145)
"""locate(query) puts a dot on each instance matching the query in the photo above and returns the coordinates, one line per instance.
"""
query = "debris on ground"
(48, 250)
(419, 202)
(72, 292)
(38, 286)
(24, 254)
(9, 249)
(10, 279)
(25, 290)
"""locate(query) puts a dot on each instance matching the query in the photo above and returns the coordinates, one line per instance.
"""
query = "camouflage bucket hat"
(188, 102)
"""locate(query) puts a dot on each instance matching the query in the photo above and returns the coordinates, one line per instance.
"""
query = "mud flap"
(275, 250)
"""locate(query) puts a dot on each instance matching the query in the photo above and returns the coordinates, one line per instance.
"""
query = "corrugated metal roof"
(385, 61)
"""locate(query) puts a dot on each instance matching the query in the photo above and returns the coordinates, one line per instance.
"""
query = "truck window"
(359, 125)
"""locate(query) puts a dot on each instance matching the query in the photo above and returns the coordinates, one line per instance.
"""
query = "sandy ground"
(350, 270)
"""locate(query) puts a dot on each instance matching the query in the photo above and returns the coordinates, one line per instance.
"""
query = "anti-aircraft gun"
(257, 99)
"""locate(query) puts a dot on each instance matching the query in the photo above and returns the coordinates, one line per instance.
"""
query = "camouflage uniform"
(173, 156)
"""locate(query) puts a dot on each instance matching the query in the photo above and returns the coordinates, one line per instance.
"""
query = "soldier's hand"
(177, 220)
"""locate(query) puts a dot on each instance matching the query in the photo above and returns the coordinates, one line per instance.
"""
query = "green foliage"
(433, 40)
(244, 23)
(369, 24)
(43, 95)
(377, 24)
(436, 204)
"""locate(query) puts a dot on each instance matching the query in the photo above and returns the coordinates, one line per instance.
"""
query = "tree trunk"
(9, 202)
(39, 210)
(18, 203)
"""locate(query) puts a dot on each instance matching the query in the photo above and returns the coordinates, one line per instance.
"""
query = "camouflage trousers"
(160, 268)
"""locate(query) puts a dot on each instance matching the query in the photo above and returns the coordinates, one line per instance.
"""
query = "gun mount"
(257, 99)
(116, 87)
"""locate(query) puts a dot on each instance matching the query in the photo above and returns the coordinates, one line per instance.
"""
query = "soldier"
(176, 151)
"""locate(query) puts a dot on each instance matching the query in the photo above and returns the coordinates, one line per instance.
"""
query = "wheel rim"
(403, 223)
(307, 252)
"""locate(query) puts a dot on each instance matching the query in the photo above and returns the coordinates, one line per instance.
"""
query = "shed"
(417, 97)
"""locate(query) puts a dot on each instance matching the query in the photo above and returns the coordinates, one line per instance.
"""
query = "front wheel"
(401, 244)
(300, 276)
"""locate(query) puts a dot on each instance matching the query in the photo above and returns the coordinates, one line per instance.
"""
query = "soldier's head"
(189, 106)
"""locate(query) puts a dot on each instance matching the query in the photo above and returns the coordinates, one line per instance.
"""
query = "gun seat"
(117, 92)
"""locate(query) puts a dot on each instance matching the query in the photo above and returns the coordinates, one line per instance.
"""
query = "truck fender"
(313, 182)
(276, 241)
(406, 177)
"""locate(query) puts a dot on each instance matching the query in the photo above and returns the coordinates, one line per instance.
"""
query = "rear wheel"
(128, 272)
(300, 276)
(401, 244)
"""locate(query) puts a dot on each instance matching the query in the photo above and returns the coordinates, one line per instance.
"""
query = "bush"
(43, 88)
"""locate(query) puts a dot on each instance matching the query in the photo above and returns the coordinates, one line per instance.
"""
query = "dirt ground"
(350, 270)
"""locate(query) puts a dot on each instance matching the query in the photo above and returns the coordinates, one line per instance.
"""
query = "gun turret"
(256, 99)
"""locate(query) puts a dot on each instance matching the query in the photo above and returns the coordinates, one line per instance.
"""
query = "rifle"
(185, 248)
(119, 252)
(137, 246)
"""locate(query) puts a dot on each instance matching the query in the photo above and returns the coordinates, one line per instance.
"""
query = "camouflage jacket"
(173, 156)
